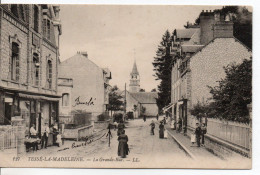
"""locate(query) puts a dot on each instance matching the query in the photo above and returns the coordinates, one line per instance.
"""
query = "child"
(59, 141)
(192, 138)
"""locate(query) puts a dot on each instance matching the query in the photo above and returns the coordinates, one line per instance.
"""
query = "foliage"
(234, 92)
(115, 100)
(232, 95)
(162, 67)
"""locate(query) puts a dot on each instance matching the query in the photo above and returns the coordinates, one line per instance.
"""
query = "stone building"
(199, 57)
(84, 86)
(29, 43)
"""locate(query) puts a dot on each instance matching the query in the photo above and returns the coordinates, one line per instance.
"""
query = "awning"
(168, 107)
(37, 97)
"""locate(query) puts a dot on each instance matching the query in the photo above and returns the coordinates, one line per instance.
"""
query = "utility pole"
(125, 104)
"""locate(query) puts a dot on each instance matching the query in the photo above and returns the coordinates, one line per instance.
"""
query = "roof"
(191, 48)
(145, 97)
(186, 33)
(134, 70)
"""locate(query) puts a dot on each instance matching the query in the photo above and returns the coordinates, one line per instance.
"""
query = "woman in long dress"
(122, 145)
(161, 130)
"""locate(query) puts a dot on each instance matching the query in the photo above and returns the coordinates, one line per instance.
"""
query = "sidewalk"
(192, 150)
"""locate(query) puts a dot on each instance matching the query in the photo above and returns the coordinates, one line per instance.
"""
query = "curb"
(181, 145)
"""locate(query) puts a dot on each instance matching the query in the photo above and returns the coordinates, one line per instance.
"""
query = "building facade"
(199, 57)
(29, 43)
(90, 86)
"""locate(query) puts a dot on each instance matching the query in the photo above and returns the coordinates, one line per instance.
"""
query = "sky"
(116, 35)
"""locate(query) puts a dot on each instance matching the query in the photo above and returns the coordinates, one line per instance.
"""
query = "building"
(84, 86)
(134, 85)
(29, 43)
(199, 55)
(139, 103)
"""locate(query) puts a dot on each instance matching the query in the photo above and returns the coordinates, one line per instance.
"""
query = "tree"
(115, 100)
(153, 90)
(234, 92)
(142, 90)
(162, 68)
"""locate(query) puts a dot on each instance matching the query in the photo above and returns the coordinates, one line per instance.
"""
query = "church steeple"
(134, 85)
(134, 70)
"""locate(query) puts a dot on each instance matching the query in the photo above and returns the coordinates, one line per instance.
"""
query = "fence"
(232, 132)
(8, 138)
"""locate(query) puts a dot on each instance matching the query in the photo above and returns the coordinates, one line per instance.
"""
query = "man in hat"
(45, 134)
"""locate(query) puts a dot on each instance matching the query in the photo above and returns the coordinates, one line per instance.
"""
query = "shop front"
(33, 109)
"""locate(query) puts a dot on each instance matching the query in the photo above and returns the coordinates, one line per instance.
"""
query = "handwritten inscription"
(89, 102)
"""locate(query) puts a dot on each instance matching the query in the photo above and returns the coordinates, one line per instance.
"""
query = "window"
(15, 62)
(36, 18)
(65, 99)
(49, 74)
(14, 9)
(36, 69)
(21, 8)
(48, 29)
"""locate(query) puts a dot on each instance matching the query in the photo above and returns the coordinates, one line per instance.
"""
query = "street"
(145, 150)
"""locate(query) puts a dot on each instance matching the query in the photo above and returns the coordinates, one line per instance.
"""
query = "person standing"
(120, 127)
(45, 135)
(198, 133)
(122, 145)
(157, 117)
(203, 132)
(152, 127)
(144, 118)
(161, 130)
(33, 132)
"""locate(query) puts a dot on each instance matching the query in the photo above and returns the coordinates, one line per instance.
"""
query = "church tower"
(134, 85)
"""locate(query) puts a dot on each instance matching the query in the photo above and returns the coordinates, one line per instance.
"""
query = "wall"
(151, 109)
(207, 65)
(88, 83)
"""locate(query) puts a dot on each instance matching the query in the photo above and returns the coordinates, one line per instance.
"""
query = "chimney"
(85, 54)
(206, 25)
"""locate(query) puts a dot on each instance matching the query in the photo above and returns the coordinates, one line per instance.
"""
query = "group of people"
(45, 131)
(198, 135)
(162, 131)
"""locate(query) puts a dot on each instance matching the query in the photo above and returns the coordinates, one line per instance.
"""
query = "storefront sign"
(8, 100)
